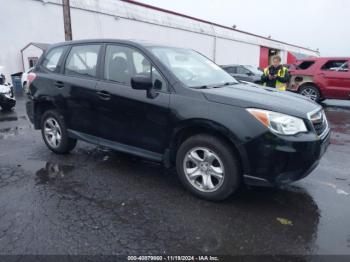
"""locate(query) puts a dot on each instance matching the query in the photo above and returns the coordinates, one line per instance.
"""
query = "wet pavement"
(94, 201)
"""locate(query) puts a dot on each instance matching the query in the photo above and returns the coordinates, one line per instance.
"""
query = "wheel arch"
(193, 127)
(40, 107)
(314, 85)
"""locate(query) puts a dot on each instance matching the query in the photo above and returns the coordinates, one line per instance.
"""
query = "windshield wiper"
(215, 86)
(200, 87)
(226, 84)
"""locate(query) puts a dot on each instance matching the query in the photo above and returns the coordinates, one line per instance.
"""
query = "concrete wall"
(92, 25)
(25, 21)
(230, 52)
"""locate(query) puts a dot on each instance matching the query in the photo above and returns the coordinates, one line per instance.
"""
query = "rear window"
(305, 65)
(335, 65)
(52, 58)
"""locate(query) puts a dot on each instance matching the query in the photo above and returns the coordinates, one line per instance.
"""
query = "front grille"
(319, 122)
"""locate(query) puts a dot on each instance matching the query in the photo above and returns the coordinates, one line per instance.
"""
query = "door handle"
(59, 84)
(321, 74)
(104, 95)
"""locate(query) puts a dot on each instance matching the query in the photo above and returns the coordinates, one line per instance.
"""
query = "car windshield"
(191, 68)
(254, 70)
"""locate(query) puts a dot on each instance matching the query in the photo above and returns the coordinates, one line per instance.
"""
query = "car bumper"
(275, 160)
(30, 110)
(293, 87)
(7, 100)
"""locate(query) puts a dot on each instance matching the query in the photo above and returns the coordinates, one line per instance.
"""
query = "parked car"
(322, 78)
(174, 106)
(246, 73)
(24, 79)
(7, 97)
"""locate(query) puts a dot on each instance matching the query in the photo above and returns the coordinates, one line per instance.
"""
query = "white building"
(41, 21)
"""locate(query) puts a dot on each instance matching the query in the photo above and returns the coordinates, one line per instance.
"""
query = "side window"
(241, 70)
(231, 70)
(117, 64)
(158, 81)
(143, 66)
(82, 60)
(51, 60)
(305, 65)
(336, 65)
(344, 67)
(122, 63)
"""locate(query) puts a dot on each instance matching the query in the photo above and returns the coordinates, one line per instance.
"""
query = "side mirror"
(250, 74)
(141, 83)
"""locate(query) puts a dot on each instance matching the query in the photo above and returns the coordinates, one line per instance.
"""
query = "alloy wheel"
(310, 93)
(204, 169)
(52, 132)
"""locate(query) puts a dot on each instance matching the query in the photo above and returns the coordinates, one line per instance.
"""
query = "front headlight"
(279, 123)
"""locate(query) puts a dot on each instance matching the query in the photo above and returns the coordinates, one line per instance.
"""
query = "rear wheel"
(208, 167)
(55, 134)
(311, 92)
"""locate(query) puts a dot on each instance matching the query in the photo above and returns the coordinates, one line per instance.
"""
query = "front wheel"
(311, 92)
(208, 167)
(54, 133)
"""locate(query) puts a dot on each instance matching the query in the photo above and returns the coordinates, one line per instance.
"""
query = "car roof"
(230, 65)
(142, 43)
(323, 58)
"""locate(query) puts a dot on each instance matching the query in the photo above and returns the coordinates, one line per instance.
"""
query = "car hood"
(257, 96)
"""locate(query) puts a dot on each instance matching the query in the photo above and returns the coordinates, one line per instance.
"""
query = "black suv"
(174, 106)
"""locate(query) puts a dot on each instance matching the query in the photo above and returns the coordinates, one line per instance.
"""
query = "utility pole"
(67, 20)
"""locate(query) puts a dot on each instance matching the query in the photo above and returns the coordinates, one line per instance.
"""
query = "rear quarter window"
(52, 58)
(305, 65)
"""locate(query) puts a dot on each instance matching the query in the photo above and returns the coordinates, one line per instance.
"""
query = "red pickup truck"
(321, 78)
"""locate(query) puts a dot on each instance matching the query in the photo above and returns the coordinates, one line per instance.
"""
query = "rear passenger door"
(127, 116)
(77, 85)
(335, 75)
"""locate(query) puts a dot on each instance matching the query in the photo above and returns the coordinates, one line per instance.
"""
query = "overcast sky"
(322, 24)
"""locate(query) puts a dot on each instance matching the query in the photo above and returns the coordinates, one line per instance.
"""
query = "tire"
(7, 108)
(310, 91)
(53, 125)
(214, 153)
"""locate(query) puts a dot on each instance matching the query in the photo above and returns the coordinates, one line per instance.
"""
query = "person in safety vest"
(276, 75)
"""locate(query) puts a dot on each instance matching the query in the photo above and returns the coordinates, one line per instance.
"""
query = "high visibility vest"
(281, 73)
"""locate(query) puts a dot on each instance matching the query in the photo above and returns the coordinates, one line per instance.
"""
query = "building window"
(32, 61)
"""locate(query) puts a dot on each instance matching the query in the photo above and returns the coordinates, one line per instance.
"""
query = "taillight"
(30, 78)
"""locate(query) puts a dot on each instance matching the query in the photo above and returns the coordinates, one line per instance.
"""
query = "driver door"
(127, 116)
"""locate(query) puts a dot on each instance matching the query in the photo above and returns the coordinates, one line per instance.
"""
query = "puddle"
(12, 131)
(52, 172)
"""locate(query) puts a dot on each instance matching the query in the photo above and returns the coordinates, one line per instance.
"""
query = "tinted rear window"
(335, 65)
(305, 65)
(52, 58)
